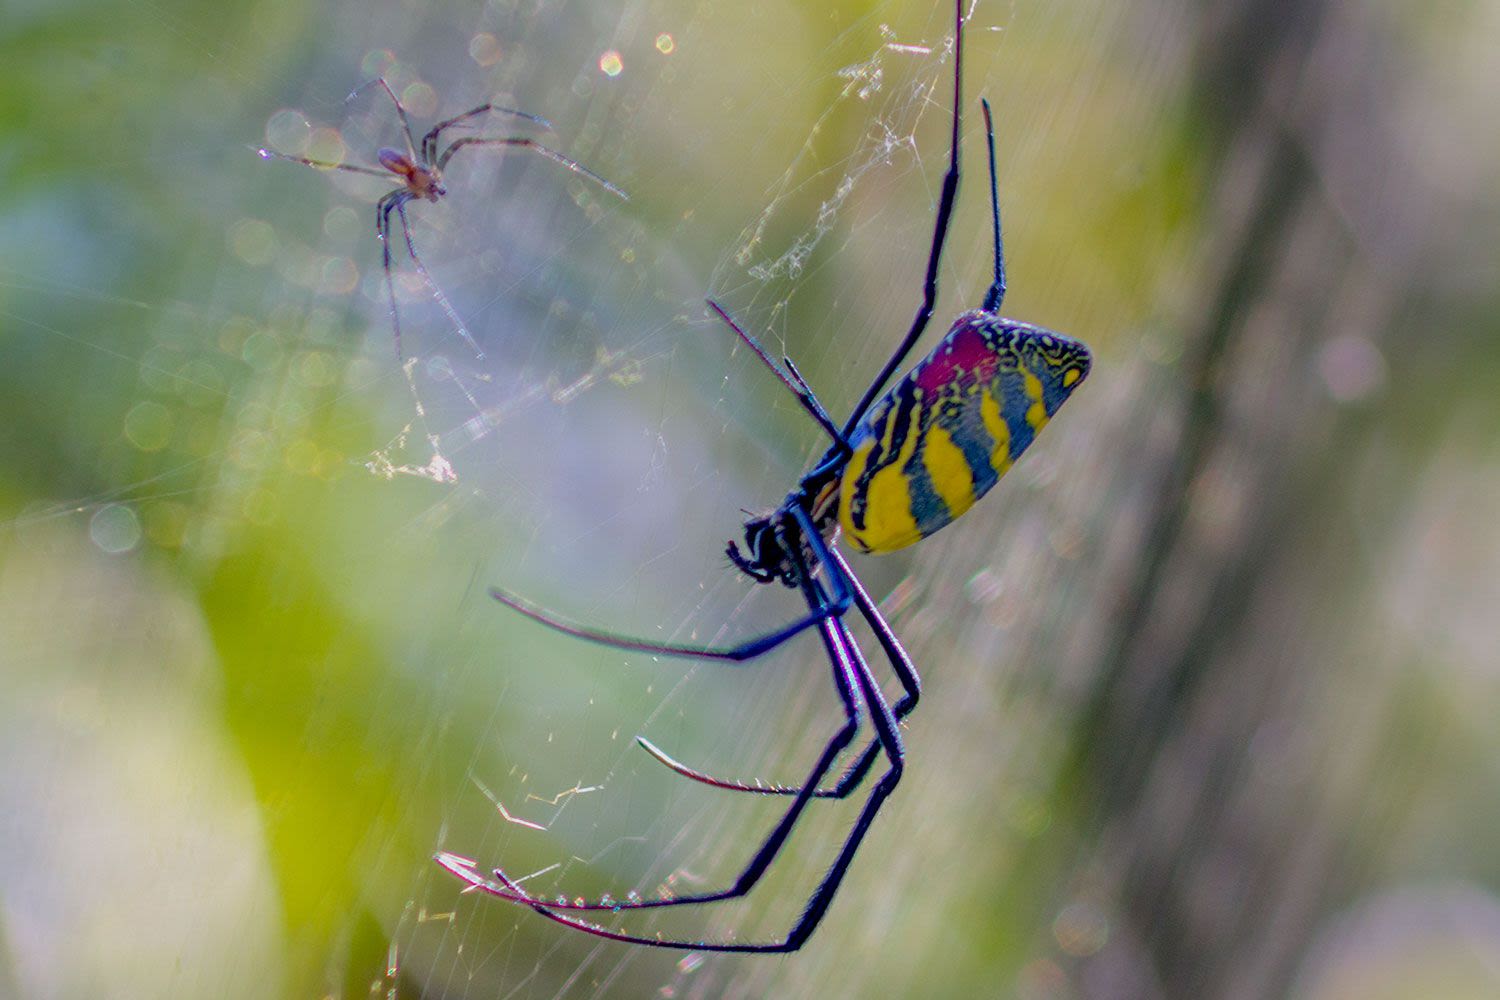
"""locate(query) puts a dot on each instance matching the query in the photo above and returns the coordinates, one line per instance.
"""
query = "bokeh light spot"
(233, 334)
(261, 350)
(341, 223)
(260, 507)
(114, 528)
(253, 241)
(1029, 816)
(302, 456)
(298, 264)
(326, 144)
(287, 130)
(377, 62)
(1081, 929)
(316, 369)
(148, 426)
(665, 44)
(339, 276)
(419, 99)
(1352, 367)
(484, 48)
(249, 449)
(611, 64)
(1042, 979)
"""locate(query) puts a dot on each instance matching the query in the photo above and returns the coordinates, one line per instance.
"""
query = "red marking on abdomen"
(963, 353)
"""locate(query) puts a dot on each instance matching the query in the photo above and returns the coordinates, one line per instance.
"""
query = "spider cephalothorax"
(767, 559)
(421, 182)
(768, 536)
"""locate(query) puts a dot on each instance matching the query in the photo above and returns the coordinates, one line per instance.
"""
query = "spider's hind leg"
(856, 687)
(755, 785)
(383, 211)
(432, 285)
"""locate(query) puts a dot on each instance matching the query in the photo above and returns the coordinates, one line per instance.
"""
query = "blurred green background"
(1211, 680)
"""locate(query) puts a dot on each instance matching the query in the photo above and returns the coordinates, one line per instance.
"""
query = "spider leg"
(353, 168)
(430, 140)
(833, 606)
(996, 294)
(411, 146)
(791, 378)
(845, 683)
(849, 665)
(841, 648)
(901, 664)
(535, 146)
(939, 237)
(728, 784)
(383, 210)
(432, 286)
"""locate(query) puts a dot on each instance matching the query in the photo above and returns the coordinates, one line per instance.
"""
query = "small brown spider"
(421, 177)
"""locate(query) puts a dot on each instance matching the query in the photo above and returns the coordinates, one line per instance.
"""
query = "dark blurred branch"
(1125, 712)
(1230, 505)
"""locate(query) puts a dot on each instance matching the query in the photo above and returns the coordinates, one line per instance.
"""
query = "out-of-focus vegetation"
(1211, 680)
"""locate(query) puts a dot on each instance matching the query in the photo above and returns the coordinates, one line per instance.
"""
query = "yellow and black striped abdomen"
(946, 433)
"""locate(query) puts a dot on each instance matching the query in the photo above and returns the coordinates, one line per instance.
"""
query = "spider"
(421, 176)
(905, 463)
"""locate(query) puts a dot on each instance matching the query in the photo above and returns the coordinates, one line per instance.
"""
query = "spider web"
(595, 458)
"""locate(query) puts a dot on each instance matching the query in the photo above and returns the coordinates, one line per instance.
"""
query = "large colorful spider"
(903, 465)
(421, 177)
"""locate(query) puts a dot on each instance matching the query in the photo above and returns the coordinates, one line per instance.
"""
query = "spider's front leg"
(536, 147)
(430, 140)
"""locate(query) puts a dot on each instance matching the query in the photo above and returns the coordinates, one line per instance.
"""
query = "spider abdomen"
(941, 437)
